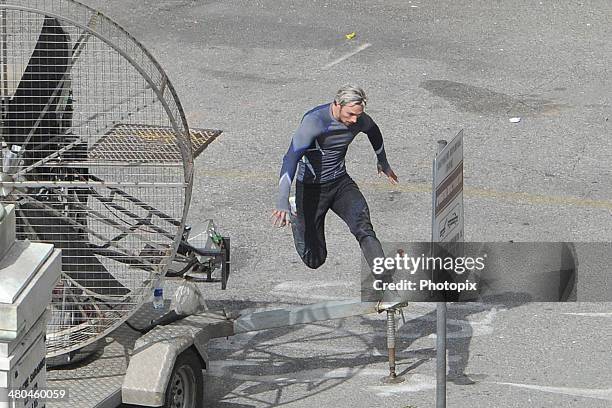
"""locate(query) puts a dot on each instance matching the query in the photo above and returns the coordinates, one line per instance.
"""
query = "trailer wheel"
(185, 388)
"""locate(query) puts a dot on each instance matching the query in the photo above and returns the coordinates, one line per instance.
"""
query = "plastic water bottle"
(11, 160)
(158, 294)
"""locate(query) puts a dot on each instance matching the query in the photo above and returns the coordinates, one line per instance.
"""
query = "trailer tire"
(185, 387)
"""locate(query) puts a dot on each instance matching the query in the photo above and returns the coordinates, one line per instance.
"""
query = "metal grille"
(112, 195)
(147, 144)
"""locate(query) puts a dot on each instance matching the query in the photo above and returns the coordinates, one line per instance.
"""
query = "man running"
(317, 151)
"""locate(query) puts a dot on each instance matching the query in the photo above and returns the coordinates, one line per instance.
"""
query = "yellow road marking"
(504, 195)
(513, 196)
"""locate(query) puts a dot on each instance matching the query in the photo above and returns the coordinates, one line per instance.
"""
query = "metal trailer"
(164, 366)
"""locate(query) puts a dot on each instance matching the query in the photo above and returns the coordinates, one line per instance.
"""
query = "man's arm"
(303, 137)
(376, 140)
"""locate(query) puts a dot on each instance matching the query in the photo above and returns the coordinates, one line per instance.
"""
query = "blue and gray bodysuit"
(318, 149)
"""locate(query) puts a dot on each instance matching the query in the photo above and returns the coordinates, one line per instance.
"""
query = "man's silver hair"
(351, 94)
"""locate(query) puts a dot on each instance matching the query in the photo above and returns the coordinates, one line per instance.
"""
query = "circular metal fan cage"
(96, 157)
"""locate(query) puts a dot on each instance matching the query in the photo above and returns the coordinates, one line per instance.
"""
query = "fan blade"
(34, 99)
(79, 262)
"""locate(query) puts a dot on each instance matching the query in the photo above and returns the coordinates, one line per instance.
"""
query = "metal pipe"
(75, 184)
(4, 86)
(391, 342)
(5, 95)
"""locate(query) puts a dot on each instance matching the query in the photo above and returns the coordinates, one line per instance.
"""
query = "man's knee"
(361, 226)
(364, 232)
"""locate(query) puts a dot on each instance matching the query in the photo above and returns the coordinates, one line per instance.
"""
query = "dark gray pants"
(343, 197)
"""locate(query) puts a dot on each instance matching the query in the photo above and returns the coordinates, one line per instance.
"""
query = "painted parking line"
(407, 187)
(596, 393)
(590, 314)
(512, 196)
(347, 55)
(538, 199)
(307, 290)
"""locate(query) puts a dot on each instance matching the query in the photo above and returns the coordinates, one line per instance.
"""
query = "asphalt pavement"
(430, 69)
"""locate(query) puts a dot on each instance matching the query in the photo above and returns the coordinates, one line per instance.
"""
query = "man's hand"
(389, 173)
(280, 218)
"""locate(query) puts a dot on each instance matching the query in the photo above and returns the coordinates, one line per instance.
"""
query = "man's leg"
(309, 225)
(350, 205)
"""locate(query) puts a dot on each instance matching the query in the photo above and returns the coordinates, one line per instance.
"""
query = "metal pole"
(391, 344)
(4, 86)
(441, 355)
(391, 334)
(440, 317)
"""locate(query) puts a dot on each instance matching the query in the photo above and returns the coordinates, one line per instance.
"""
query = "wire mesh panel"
(96, 156)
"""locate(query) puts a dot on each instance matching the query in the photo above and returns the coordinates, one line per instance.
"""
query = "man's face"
(348, 114)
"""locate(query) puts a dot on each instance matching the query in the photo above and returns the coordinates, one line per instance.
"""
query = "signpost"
(448, 192)
(446, 226)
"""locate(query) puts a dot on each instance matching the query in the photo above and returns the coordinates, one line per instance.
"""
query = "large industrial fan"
(98, 159)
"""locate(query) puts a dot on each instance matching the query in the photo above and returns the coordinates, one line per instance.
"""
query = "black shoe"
(460, 379)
